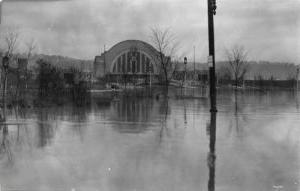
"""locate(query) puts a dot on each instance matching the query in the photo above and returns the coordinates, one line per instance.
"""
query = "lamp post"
(194, 65)
(5, 64)
(185, 63)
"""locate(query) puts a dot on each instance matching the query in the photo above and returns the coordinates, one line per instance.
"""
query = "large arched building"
(132, 58)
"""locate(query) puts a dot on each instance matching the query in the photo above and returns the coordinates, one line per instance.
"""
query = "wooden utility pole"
(211, 5)
(0, 18)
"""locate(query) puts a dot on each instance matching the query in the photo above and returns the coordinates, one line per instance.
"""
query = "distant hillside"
(62, 62)
(279, 71)
(265, 69)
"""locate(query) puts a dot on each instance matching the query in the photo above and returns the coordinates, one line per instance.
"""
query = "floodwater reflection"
(45, 128)
(5, 148)
(155, 143)
(211, 158)
(240, 119)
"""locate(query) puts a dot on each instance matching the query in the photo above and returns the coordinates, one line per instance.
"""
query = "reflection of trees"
(45, 128)
(238, 118)
(5, 145)
(20, 114)
(79, 115)
(48, 119)
(24, 135)
(164, 111)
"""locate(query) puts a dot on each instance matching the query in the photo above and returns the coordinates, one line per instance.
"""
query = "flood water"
(155, 144)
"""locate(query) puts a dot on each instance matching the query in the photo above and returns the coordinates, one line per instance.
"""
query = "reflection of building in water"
(132, 59)
(133, 109)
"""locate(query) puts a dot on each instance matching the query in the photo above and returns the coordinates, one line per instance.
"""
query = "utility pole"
(0, 22)
(211, 10)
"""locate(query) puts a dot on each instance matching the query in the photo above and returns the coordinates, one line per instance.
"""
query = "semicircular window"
(133, 63)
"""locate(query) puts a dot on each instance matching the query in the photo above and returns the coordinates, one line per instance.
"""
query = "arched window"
(134, 63)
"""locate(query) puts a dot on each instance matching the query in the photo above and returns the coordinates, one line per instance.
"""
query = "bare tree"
(30, 47)
(164, 41)
(237, 63)
(11, 39)
(224, 73)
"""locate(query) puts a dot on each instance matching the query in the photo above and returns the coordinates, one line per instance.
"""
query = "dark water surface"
(154, 144)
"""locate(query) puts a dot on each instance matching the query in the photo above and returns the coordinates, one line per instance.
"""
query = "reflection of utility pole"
(211, 4)
(211, 158)
(185, 63)
(184, 115)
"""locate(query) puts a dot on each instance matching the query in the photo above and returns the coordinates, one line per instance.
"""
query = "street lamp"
(185, 62)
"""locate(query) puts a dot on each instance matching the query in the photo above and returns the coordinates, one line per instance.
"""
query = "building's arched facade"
(132, 58)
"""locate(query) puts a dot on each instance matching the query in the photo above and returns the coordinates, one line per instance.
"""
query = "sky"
(268, 29)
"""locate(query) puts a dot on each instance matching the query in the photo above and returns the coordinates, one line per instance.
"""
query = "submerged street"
(158, 143)
(149, 95)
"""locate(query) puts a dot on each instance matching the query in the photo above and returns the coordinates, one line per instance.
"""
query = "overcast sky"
(268, 29)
